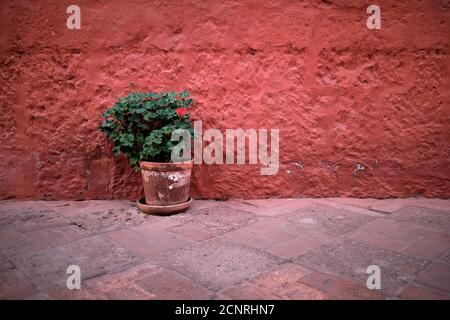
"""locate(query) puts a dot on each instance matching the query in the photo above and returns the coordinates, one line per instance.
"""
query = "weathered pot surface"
(166, 184)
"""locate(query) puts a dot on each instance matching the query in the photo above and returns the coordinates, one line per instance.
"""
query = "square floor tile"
(218, 264)
(94, 255)
(350, 259)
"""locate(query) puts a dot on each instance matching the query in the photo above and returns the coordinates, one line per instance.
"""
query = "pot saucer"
(163, 210)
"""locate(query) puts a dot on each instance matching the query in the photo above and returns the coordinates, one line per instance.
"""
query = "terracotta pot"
(166, 184)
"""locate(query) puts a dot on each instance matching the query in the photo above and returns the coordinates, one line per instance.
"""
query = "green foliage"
(140, 124)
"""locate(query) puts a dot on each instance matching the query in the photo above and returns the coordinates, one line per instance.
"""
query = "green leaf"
(184, 94)
(127, 140)
(116, 150)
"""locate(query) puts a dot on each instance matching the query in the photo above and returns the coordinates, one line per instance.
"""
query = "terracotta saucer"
(163, 210)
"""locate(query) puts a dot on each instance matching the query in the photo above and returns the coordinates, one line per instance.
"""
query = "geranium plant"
(140, 125)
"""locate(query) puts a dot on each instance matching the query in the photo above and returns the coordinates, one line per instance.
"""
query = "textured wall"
(361, 113)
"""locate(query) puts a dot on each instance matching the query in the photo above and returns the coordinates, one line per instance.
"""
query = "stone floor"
(255, 249)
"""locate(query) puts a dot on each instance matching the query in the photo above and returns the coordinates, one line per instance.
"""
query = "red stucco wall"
(344, 97)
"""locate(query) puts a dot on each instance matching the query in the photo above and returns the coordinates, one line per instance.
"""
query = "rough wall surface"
(361, 113)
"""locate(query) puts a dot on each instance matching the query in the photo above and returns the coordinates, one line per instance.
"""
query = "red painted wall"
(344, 97)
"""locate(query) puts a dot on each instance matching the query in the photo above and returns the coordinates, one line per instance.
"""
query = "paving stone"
(390, 205)
(250, 239)
(292, 205)
(436, 276)
(221, 219)
(278, 237)
(94, 255)
(247, 291)
(168, 284)
(406, 238)
(425, 217)
(426, 232)
(267, 203)
(276, 202)
(349, 208)
(415, 292)
(386, 234)
(47, 238)
(124, 277)
(130, 292)
(5, 264)
(220, 296)
(359, 202)
(192, 231)
(295, 291)
(218, 264)
(201, 204)
(280, 283)
(13, 285)
(273, 229)
(7, 219)
(109, 220)
(379, 205)
(122, 285)
(339, 288)
(349, 259)
(29, 218)
(436, 204)
(148, 244)
(242, 205)
(11, 211)
(74, 294)
(428, 248)
(305, 242)
(71, 208)
(281, 207)
(58, 203)
(328, 220)
(446, 257)
(157, 223)
(38, 296)
(46, 221)
(10, 238)
(19, 205)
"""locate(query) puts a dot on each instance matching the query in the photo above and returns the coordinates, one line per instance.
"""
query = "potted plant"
(140, 125)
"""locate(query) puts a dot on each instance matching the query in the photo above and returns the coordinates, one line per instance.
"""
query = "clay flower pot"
(166, 184)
